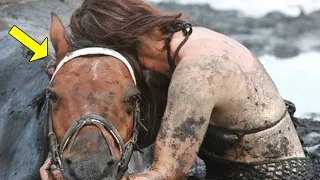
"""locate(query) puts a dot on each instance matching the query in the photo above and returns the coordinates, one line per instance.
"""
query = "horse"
(97, 108)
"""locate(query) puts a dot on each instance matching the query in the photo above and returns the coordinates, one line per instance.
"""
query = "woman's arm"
(189, 106)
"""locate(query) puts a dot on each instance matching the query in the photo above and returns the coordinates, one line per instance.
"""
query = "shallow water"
(297, 80)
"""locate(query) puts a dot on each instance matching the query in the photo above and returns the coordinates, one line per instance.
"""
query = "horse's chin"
(98, 166)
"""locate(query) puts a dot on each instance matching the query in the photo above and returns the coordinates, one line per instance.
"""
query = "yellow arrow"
(40, 50)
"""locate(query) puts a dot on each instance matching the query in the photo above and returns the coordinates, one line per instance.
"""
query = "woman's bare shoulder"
(209, 33)
(204, 41)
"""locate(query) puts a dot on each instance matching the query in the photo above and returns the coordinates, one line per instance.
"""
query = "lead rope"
(176, 26)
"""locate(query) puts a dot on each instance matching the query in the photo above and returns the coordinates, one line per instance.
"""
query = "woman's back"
(246, 99)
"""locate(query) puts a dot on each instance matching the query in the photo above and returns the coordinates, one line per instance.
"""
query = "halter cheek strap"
(94, 51)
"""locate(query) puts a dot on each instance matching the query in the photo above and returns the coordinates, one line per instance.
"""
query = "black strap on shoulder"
(291, 107)
(174, 27)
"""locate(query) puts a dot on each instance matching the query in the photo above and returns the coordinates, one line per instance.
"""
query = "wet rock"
(285, 51)
(312, 139)
(309, 132)
(3, 25)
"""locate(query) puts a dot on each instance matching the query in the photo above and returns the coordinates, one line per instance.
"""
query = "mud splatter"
(284, 145)
(274, 151)
(110, 98)
(163, 132)
(94, 98)
(188, 129)
(115, 112)
(75, 91)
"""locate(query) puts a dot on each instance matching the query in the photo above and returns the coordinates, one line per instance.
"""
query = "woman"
(221, 103)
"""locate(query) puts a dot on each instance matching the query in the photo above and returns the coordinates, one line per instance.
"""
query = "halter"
(126, 150)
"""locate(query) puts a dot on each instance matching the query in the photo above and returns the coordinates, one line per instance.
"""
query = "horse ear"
(58, 37)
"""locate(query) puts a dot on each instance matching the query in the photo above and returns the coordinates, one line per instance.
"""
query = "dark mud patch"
(163, 134)
(94, 98)
(188, 129)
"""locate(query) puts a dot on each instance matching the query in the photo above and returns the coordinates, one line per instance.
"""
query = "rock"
(309, 132)
(285, 51)
(3, 25)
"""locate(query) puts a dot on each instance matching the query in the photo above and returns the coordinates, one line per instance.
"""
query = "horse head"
(93, 102)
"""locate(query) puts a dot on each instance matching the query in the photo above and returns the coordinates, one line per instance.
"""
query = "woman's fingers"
(57, 174)
(45, 173)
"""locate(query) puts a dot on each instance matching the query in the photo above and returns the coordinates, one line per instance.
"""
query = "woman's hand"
(46, 174)
(148, 175)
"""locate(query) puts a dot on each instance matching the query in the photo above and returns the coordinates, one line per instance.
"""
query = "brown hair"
(119, 24)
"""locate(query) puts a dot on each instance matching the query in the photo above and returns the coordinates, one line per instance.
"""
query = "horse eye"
(52, 96)
(132, 99)
(131, 102)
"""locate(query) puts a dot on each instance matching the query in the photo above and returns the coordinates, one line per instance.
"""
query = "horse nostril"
(111, 162)
(68, 161)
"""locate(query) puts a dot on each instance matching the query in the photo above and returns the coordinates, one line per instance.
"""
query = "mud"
(188, 129)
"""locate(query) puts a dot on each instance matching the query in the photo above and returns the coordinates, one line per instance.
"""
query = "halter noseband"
(126, 150)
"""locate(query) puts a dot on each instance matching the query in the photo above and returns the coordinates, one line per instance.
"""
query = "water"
(297, 77)
(255, 7)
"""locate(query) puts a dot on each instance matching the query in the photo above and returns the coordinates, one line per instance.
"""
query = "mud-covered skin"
(273, 143)
(146, 176)
(183, 125)
(219, 81)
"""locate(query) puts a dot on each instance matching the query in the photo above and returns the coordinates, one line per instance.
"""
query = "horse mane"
(38, 102)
